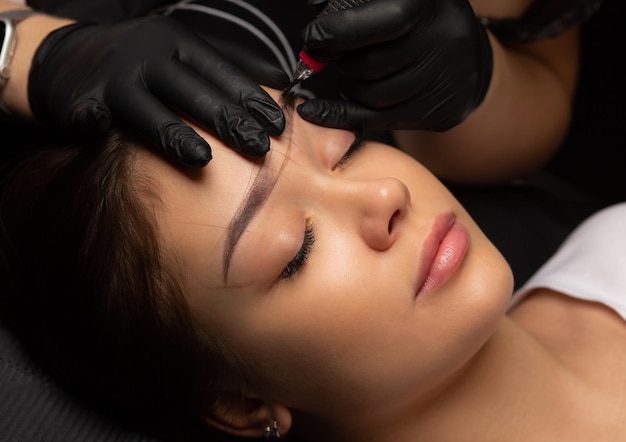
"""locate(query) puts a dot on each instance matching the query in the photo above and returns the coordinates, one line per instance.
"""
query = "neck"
(511, 386)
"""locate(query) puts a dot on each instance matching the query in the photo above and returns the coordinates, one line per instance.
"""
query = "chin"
(485, 288)
(492, 291)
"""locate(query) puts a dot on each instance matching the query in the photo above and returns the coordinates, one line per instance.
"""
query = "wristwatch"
(8, 20)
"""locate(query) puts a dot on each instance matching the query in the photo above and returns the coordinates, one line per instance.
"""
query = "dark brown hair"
(86, 285)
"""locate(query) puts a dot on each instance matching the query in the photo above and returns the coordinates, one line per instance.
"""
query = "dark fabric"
(34, 408)
(226, 35)
(593, 156)
(527, 223)
(96, 10)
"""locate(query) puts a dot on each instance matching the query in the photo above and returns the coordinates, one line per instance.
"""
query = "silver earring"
(271, 431)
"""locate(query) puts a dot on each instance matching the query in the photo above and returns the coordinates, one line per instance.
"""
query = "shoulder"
(555, 317)
(587, 338)
(590, 264)
(578, 298)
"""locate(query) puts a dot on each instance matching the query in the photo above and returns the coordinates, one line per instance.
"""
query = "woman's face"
(351, 284)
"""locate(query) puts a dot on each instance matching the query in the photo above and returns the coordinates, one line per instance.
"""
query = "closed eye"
(302, 255)
(355, 146)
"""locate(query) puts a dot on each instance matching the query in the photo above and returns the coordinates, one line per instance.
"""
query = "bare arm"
(30, 33)
(522, 119)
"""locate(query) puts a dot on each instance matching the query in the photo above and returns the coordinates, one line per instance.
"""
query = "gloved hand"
(404, 64)
(87, 76)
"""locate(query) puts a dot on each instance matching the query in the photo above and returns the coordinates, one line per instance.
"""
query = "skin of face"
(345, 335)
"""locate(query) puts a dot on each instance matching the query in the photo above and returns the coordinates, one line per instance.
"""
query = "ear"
(240, 415)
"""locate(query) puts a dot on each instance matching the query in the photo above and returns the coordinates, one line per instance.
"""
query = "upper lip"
(440, 227)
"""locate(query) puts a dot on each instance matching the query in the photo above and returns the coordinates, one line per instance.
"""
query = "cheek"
(341, 327)
(329, 338)
(468, 309)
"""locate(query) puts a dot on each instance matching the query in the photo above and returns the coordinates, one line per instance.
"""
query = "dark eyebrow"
(257, 195)
(254, 200)
(289, 101)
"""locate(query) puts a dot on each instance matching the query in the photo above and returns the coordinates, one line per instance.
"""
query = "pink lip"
(442, 253)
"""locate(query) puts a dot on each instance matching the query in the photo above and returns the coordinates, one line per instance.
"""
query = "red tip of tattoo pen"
(306, 67)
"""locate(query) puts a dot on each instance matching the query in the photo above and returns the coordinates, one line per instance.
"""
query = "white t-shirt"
(591, 263)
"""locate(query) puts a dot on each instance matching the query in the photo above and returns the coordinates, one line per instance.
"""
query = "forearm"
(30, 33)
(520, 123)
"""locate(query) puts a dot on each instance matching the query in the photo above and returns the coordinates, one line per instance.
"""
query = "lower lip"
(447, 257)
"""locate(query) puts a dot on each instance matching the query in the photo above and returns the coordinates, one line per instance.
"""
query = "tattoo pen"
(308, 65)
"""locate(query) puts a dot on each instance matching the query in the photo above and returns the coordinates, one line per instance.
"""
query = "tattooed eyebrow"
(254, 200)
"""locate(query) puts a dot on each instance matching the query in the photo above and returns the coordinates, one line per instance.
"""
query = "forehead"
(198, 205)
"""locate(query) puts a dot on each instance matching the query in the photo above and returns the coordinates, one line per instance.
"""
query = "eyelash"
(356, 145)
(299, 260)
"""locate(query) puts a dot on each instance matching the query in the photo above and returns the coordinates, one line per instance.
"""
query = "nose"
(381, 206)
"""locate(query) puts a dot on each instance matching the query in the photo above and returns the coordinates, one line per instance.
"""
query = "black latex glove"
(87, 76)
(405, 64)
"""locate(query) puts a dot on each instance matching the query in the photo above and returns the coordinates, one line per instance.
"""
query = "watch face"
(3, 28)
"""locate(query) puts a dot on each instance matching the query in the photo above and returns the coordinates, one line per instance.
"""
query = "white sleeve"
(591, 263)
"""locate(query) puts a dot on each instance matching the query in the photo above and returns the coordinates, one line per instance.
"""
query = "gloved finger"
(89, 114)
(339, 114)
(317, 5)
(377, 60)
(229, 78)
(343, 114)
(383, 59)
(149, 116)
(394, 89)
(258, 68)
(213, 108)
(367, 24)
(264, 72)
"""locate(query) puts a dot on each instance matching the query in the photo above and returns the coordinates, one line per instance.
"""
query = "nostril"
(393, 217)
